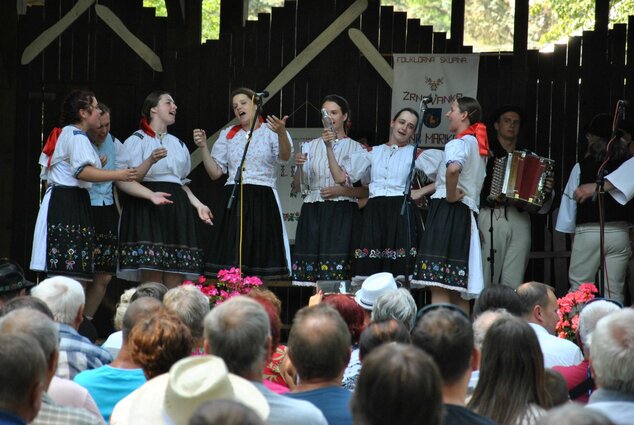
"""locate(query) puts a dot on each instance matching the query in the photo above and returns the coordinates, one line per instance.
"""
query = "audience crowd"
(366, 359)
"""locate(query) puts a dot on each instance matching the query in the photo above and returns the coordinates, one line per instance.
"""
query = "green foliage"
(570, 17)
(430, 12)
(210, 16)
(159, 5)
(211, 20)
(488, 23)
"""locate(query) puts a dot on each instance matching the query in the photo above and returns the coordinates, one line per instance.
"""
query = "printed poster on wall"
(444, 77)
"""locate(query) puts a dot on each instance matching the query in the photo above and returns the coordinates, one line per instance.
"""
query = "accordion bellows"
(518, 179)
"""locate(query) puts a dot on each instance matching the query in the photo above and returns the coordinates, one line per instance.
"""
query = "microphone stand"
(238, 179)
(408, 184)
(601, 173)
(491, 249)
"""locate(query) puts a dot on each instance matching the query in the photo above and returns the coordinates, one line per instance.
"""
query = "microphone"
(262, 94)
(624, 103)
(327, 122)
(427, 99)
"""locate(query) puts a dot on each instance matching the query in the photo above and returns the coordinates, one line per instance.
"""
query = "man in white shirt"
(619, 184)
(539, 309)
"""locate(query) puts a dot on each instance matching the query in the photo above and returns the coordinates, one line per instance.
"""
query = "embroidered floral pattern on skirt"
(453, 273)
(105, 252)
(312, 271)
(70, 248)
(160, 257)
(387, 253)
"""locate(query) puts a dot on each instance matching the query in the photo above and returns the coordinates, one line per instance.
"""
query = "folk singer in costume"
(64, 237)
(449, 257)
(104, 213)
(330, 209)
(388, 240)
(582, 219)
(263, 248)
(160, 243)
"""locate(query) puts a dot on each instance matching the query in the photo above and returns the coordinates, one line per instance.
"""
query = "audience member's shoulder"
(51, 413)
(460, 415)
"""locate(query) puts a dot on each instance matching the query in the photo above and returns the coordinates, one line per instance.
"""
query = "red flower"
(230, 284)
(570, 306)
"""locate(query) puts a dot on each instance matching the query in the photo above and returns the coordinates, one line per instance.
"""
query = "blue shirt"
(101, 193)
(9, 418)
(108, 385)
(334, 403)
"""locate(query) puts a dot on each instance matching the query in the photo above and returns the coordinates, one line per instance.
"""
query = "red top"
(575, 375)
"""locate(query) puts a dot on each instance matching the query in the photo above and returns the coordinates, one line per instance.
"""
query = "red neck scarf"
(51, 141)
(478, 130)
(145, 126)
(234, 130)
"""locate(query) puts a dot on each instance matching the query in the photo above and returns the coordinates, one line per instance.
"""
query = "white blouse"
(318, 174)
(262, 157)
(174, 168)
(567, 217)
(73, 152)
(623, 183)
(387, 167)
(464, 151)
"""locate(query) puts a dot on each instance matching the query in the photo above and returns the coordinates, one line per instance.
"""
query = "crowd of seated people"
(365, 359)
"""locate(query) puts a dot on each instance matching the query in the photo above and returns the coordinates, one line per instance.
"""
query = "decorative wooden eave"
(49, 35)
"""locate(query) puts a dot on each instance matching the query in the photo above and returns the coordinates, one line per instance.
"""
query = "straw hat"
(173, 397)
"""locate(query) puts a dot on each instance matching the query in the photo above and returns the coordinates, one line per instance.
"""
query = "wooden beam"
(372, 55)
(50, 34)
(520, 49)
(520, 26)
(233, 13)
(138, 46)
(8, 139)
(457, 22)
(601, 15)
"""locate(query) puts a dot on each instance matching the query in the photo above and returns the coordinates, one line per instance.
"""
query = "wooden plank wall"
(562, 91)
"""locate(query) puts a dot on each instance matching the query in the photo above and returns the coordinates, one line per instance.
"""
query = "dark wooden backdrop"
(560, 91)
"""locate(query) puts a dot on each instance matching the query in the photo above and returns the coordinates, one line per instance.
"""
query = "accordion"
(518, 179)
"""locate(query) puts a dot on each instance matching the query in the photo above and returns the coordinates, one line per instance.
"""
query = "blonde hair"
(122, 306)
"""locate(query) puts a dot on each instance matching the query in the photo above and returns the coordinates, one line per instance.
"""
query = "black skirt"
(323, 241)
(69, 233)
(106, 221)
(263, 240)
(159, 237)
(388, 240)
(443, 258)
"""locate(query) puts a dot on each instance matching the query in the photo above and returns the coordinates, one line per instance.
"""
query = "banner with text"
(443, 77)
